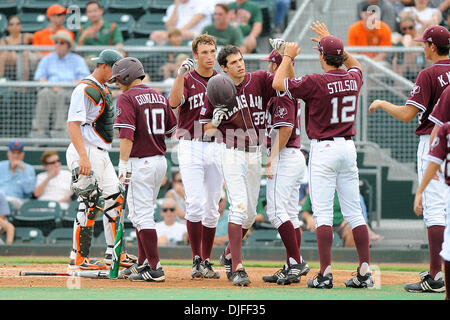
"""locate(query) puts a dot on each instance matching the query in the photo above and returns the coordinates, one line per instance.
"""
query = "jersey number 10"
(345, 111)
(157, 114)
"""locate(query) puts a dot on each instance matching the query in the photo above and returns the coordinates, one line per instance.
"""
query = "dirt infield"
(176, 277)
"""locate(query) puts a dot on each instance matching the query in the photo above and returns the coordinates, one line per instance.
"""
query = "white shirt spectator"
(57, 188)
(174, 232)
(423, 15)
(187, 10)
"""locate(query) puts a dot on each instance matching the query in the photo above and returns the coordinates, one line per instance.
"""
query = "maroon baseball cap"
(274, 57)
(331, 45)
(438, 35)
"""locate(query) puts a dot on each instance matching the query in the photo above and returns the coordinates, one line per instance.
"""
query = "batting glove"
(186, 66)
(218, 114)
(278, 44)
(123, 165)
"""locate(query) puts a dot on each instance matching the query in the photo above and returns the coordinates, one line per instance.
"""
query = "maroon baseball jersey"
(193, 100)
(282, 111)
(245, 124)
(331, 101)
(430, 83)
(441, 111)
(440, 149)
(145, 117)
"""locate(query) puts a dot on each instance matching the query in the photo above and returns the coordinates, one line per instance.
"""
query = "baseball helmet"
(108, 57)
(127, 69)
(221, 91)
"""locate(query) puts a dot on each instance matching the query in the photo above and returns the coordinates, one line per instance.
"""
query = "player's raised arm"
(291, 50)
(176, 93)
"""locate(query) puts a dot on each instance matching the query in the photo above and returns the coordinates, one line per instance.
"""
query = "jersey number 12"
(347, 111)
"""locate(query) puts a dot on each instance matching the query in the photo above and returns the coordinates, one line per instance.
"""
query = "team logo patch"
(281, 112)
(203, 111)
(415, 90)
(434, 143)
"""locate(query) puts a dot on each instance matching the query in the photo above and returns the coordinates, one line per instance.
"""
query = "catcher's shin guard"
(110, 218)
(84, 236)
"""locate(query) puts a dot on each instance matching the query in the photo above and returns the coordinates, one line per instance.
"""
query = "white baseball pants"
(147, 175)
(433, 198)
(445, 252)
(108, 182)
(200, 171)
(332, 166)
(242, 175)
(282, 191)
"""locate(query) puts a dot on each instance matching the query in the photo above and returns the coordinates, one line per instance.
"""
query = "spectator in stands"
(247, 16)
(221, 237)
(11, 63)
(17, 178)
(54, 183)
(170, 231)
(407, 64)
(190, 16)
(370, 31)
(387, 11)
(177, 194)
(98, 32)
(281, 10)
(62, 65)
(165, 186)
(425, 15)
(222, 30)
(5, 225)
(56, 15)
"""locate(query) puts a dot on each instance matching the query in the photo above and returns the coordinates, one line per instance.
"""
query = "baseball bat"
(82, 274)
(117, 250)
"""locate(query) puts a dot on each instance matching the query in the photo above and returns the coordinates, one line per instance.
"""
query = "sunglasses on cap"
(167, 209)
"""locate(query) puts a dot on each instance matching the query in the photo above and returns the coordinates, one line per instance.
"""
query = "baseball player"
(197, 155)
(441, 113)
(241, 131)
(94, 180)
(144, 120)
(439, 154)
(430, 83)
(285, 169)
(330, 107)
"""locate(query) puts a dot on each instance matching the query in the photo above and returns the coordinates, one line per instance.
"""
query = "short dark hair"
(225, 52)
(440, 50)
(223, 6)
(94, 2)
(335, 60)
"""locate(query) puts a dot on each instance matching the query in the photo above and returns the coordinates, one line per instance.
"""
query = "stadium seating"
(40, 214)
(3, 24)
(125, 22)
(148, 23)
(309, 239)
(28, 235)
(68, 217)
(9, 7)
(265, 237)
(60, 236)
(82, 4)
(33, 21)
(136, 8)
(37, 5)
(159, 6)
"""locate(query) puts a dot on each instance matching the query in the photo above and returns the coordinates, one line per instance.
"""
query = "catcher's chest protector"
(103, 124)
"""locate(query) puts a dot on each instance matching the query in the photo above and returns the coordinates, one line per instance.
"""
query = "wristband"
(285, 55)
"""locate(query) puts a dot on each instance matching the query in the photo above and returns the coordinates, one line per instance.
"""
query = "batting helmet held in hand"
(221, 91)
(127, 69)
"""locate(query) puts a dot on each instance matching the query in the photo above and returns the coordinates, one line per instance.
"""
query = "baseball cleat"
(226, 263)
(148, 274)
(208, 272)
(321, 282)
(134, 269)
(197, 268)
(427, 283)
(240, 278)
(87, 264)
(359, 281)
(293, 274)
(126, 259)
